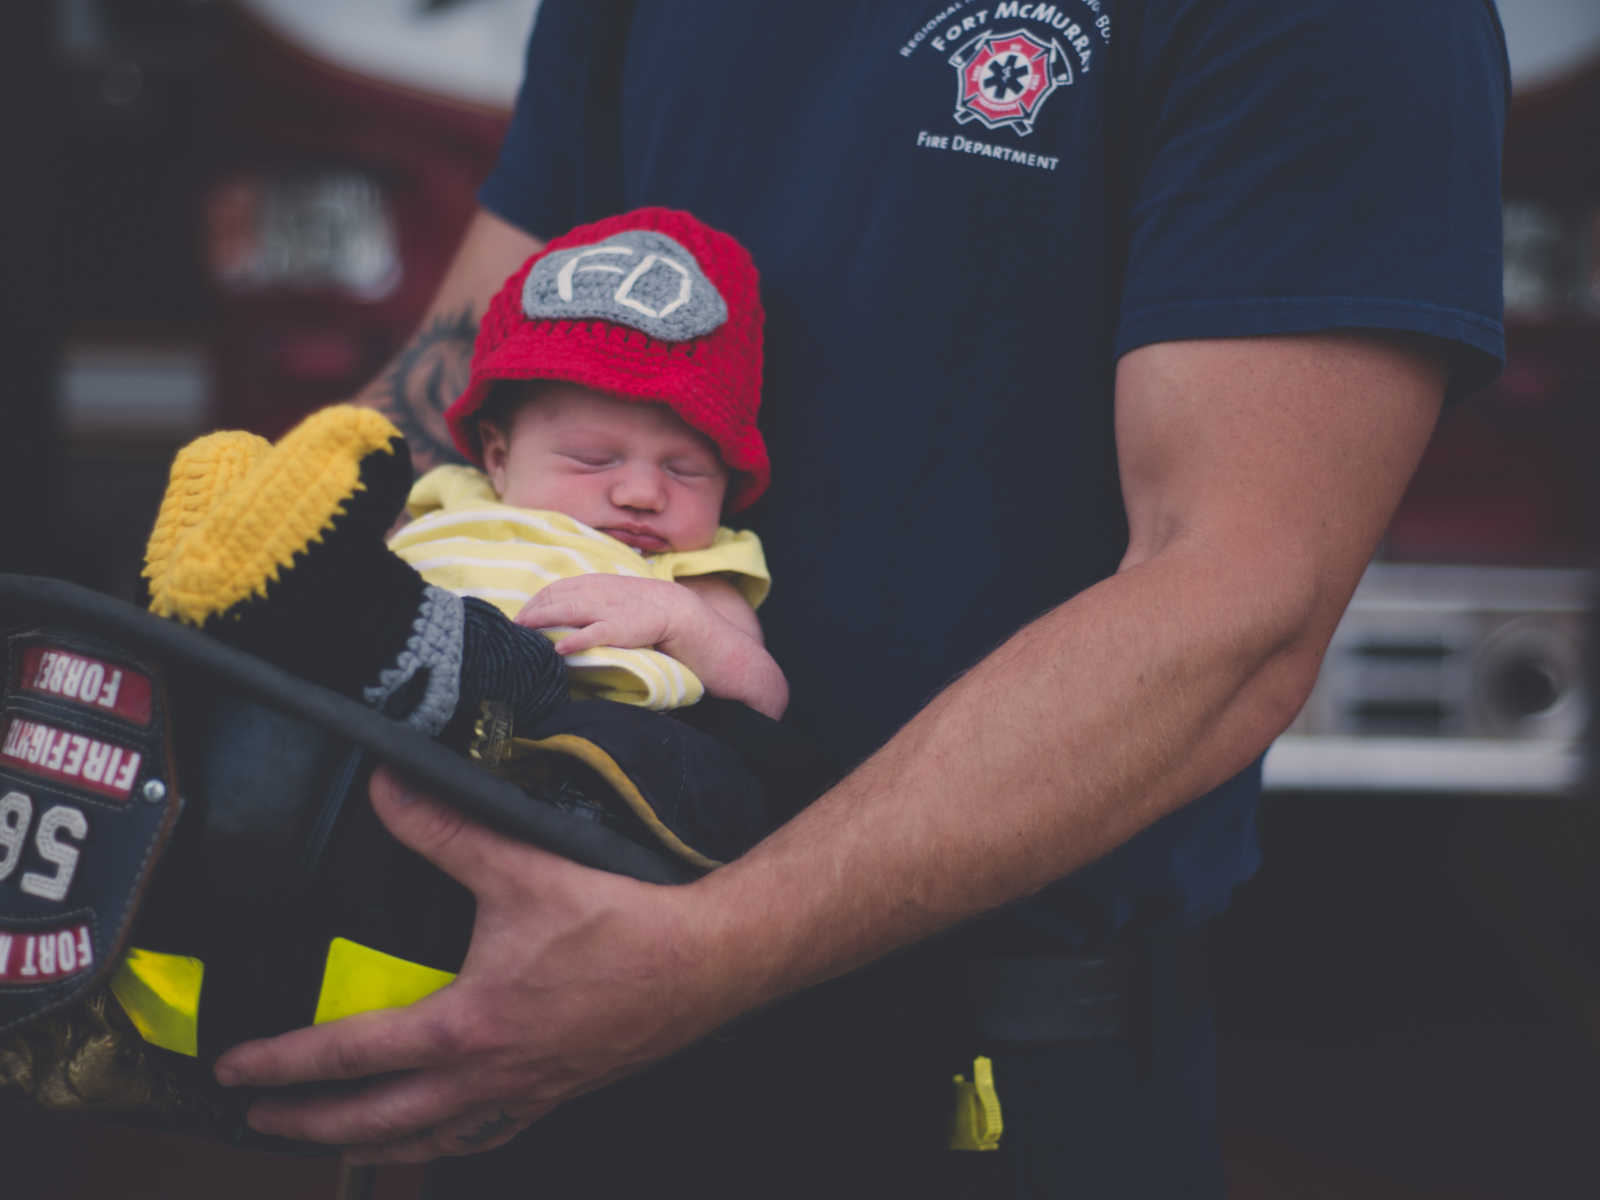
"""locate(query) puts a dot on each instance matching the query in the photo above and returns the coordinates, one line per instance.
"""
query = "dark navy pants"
(847, 1092)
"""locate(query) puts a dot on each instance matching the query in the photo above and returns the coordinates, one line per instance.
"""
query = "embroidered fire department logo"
(1003, 78)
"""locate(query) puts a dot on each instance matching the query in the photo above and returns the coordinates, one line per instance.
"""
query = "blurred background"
(230, 213)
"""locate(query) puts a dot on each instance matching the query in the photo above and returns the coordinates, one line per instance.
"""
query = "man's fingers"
(465, 850)
(357, 1047)
(385, 1111)
(407, 1118)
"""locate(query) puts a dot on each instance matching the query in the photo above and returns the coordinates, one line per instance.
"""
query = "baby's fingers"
(534, 613)
(544, 612)
(583, 639)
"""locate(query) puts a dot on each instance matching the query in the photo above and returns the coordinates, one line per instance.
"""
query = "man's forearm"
(424, 379)
(1084, 728)
(1258, 476)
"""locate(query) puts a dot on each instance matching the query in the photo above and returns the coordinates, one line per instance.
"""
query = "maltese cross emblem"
(1003, 78)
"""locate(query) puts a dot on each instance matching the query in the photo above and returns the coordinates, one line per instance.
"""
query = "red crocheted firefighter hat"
(651, 305)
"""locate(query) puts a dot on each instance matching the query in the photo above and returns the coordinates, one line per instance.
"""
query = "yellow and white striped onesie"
(463, 539)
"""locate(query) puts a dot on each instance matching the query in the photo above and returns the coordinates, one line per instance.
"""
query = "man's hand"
(574, 978)
(701, 627)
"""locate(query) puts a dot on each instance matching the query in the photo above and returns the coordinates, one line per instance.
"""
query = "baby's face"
(633, 470)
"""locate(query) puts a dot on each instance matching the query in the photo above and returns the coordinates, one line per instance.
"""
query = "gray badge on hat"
(638, 278)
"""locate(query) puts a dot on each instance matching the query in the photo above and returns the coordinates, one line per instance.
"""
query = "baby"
(611, 406)
(618, 503)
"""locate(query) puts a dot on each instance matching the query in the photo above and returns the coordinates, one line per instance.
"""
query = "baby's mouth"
(637, 536)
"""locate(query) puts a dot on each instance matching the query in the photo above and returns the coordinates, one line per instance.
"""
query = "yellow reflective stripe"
(976, 1124)
(161, 995)
(357, 979)
(609, 770)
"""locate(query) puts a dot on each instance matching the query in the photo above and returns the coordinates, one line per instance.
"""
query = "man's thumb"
(440, 832)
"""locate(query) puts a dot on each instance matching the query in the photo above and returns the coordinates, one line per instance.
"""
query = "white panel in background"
(470, 51)
(145, 390)
(1549, 39)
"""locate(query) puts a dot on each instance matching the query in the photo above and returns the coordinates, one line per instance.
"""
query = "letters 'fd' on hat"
(652, 305)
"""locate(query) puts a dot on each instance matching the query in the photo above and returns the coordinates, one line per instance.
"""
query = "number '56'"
(59, 822)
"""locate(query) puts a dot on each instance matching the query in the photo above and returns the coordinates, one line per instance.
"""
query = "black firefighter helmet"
(187, 859)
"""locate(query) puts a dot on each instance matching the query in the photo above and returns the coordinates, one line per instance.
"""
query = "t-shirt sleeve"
(1318, 165)
(734, 553)
(536, 183)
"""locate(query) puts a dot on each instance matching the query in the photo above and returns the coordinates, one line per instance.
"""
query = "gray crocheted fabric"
(639, 278)
(434, 646)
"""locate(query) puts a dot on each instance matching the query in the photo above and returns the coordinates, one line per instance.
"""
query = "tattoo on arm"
(491, 1128)
(431, 371)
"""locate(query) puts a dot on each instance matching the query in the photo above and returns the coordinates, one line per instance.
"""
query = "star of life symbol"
(1003, 78)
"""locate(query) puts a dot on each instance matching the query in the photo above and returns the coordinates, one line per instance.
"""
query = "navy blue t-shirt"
(962, 213)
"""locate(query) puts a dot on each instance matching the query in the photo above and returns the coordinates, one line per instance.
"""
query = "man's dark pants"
(847, 1092)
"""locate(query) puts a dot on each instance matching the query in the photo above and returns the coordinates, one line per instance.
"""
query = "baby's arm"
(703, 622)
(747, 667)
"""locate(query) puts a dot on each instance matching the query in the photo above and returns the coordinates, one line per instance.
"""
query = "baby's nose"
(639, 487)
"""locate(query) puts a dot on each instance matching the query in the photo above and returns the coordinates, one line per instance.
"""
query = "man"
(1103, 339)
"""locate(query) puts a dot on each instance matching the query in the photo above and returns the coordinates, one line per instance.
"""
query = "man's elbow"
(1283, 687)
(1308, 605)
(1279, 608)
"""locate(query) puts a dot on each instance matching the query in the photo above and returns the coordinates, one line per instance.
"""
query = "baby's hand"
(611, 610)
(705, 624)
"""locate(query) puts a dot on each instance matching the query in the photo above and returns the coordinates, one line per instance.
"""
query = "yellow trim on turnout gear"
(976, 1123)
(161, 995)
(358, 979)
(606, 767)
